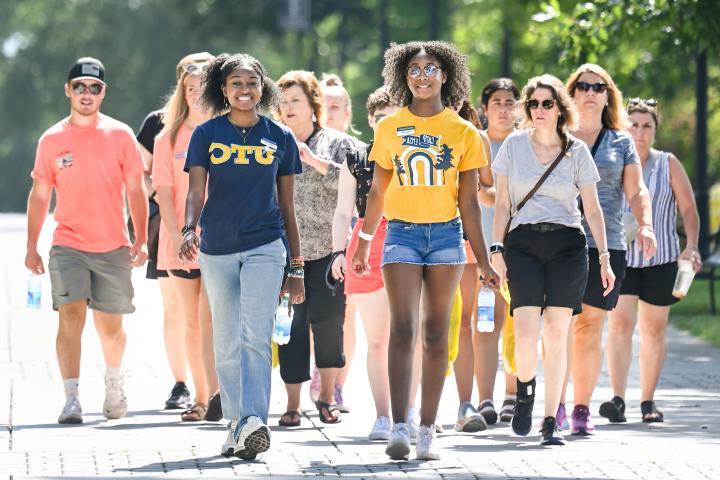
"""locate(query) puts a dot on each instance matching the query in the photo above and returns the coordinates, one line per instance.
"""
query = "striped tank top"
(664, 213)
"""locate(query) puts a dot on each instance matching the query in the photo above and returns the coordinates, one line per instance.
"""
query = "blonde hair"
(310, 86)
(176, 108)
(332, 85)
(568, 111)
(613, 114)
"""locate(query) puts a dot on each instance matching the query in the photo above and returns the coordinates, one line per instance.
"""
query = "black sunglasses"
(596, 87)
(429, 70)
(94, 88)
(547, 104)
(649, 102)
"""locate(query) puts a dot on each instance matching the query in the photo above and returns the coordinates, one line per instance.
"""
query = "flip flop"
(292, 423)
(325, 408)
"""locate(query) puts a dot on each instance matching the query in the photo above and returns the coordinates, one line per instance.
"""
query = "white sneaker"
(398, 447)
(381, 429)
(469, 419)
(424, 448)
(72, 411)
(254, 438)
(228, 448)
(115, 405)
(412, 424)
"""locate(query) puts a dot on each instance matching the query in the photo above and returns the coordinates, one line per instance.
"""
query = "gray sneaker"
(253, 438)
(228, 448)
(71, 412)
(115, 405)
(469, 419)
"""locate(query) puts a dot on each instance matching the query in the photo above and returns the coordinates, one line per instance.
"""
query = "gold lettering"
(224, 153)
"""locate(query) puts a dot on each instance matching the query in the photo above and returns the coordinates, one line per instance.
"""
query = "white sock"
(113, 372)
(71, 386)
(510, 396)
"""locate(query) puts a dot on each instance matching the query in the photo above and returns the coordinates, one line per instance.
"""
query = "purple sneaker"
(581, 424)
(561, 418)
(339, 403)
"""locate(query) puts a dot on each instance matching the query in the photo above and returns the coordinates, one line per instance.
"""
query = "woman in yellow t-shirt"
(427, 161)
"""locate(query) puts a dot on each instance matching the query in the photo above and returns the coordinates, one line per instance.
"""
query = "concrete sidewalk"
(151, 443)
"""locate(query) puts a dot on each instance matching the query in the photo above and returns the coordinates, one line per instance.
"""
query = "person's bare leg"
(527, 332)
(328, 378)
(293, 396)
(173, 330)
(464, 363)
(188, 294)
(348, 339)
(587, 353)
(68, 343)
(403, 283)
(375, 313)
(621, 324)
(439, 284)
(555, 331)
(208, 351)
(653, 327)
(416, 372)
(112, 337)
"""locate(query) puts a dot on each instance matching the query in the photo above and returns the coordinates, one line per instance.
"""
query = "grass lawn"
(693, 312)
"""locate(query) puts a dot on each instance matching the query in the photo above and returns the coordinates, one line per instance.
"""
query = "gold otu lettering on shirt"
(241, 154)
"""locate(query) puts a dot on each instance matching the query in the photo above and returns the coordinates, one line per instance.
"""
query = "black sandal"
(294, 421)
(650, 413)
(325, 410)
(214, 411)
(614, 410)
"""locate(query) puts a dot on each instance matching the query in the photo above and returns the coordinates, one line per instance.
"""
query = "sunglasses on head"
(547, 104)
(596, 87)
(195, 67)
(94, 88)
(649, 102)
(429, 70)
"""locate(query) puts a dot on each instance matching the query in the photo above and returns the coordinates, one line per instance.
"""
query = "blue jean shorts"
(424, 243)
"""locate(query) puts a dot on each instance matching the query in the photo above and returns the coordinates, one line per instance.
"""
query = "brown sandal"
(328, 413)
(196, 413)
(294, 417)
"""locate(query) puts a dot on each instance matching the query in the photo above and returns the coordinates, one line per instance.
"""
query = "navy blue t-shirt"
(241, 211)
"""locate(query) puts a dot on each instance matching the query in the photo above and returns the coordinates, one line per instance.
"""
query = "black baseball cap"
(87, 68)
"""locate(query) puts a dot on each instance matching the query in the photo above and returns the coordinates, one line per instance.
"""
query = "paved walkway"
(152, 443)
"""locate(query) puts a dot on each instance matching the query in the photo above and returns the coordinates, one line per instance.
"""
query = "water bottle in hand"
(34, 291)
(283, 322)
(486, 310)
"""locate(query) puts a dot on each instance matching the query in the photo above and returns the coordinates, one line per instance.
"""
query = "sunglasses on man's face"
(596, 87)
(547, 104)
(429, 70)
(94, 88)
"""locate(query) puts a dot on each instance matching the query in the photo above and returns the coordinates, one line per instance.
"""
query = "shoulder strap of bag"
(537, 186)
(598, 141)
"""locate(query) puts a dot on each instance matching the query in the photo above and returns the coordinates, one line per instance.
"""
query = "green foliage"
(692, 313)
(646, 45)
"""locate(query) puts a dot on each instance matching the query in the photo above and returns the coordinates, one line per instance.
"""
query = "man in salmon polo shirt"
(92, 161)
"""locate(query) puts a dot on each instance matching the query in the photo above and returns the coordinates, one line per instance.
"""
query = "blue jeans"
(243, 290)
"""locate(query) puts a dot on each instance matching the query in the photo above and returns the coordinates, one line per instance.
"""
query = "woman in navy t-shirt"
(247, 162)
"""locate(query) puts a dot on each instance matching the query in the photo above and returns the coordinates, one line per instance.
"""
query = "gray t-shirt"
(616, 150)
(556, 200)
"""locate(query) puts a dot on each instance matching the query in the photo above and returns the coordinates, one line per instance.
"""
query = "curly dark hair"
(453, 63)
(223, 65)
(378, 100)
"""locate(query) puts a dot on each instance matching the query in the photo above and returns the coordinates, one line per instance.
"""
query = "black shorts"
(188, 275)
(546, 268)
(594, 291)
(653, 285)
(324, 311)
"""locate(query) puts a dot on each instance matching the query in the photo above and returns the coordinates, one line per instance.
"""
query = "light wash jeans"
(243, 290)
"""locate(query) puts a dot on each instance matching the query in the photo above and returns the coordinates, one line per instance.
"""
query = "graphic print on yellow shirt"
(426, 154)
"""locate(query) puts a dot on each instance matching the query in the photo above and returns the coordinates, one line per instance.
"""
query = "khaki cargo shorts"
(103, 279)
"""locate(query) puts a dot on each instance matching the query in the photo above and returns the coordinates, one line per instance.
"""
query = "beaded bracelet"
(296, 273)
(297, 262)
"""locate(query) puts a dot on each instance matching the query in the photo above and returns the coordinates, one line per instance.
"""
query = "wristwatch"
(495, 248)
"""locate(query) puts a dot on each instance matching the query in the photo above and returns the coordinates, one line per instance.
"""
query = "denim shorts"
(424, 243)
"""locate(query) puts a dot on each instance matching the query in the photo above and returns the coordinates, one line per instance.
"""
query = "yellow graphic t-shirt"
(425, 154)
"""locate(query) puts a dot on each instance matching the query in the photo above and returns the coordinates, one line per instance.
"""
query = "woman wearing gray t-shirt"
(545, 254)
(602, 125)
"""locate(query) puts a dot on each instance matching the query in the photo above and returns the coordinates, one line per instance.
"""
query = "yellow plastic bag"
(454, 330)
(508, 336)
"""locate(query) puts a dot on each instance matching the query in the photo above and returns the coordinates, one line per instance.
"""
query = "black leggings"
(325, 313)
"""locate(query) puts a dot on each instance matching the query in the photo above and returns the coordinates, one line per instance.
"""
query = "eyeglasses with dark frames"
(596, 87)
(546, 104)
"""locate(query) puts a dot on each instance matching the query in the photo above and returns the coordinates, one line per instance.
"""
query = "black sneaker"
(179, 397)
(522, 415)
(550, 433)
(614, 410)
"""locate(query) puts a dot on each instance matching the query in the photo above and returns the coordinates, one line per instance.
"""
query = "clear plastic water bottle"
(34, 291)
(283, 322)
(486, 310)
